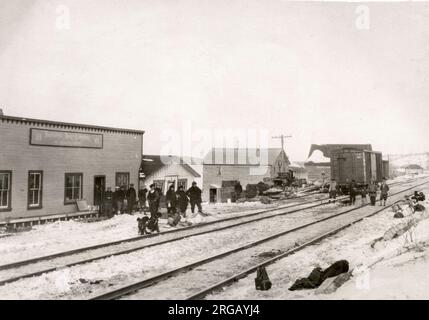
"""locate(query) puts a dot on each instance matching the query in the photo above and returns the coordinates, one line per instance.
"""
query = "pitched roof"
(414, 166)
(153, 163)
(248, 157)
(328, 148)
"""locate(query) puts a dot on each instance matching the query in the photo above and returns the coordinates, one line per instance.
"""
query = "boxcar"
(386, 169)
(349, 164)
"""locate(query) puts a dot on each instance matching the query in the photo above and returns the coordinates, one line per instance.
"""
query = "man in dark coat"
(121, 199)
(194, 194)
(142, 199)
(238, 190)
(108, 203)
(372, 191)
(182, 201)
(131, 198)
(117, 204)
(352, 192)
(171, 200)
(384, 192)
(153, 199)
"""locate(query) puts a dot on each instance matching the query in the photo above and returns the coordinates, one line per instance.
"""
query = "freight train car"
(349, 164)
(386, 169)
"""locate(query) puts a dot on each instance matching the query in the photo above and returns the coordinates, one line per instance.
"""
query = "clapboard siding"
(121, 152)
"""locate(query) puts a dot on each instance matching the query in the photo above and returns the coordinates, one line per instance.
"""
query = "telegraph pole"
(282, 138)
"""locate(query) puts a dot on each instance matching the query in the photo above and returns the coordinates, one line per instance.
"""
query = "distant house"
(223, 167)
(166, 170)
(413, 169)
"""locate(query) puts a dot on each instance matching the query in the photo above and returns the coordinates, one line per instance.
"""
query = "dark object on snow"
(317, 276)
(146, 223)
(251, 191)
(141, 224)
(418, 207)
(398, 215)
(262, 187)
(262, 281)
(418, 196)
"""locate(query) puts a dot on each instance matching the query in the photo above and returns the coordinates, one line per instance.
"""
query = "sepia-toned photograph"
(242, 151)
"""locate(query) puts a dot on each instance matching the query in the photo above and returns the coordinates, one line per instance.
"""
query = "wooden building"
(223, 167)
(164, 171)
(46, 166)
(413, 169)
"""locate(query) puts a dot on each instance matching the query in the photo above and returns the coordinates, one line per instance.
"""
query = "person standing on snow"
(384, 192)
(333, 189)
(194, 194)
(372, 191)
(182, 201)
(171, 200)
(131, 198)
(352, 192)
(153, 199)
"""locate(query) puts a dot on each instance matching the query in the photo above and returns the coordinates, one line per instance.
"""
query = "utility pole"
(282, 138)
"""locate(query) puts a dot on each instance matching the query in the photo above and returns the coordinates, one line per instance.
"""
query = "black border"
(40, 206)
(9, 208)
(81, 189)
(63, 146)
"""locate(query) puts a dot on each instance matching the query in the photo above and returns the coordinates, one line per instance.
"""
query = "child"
(364, 193)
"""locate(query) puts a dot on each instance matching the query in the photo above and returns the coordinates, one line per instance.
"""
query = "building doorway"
(213, 195)
(99, 189)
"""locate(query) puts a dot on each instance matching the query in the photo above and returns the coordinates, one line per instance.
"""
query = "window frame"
(40, 205)
(160, 181)
(9, 198)
(185, 185)
(73, 201)
(120, 173)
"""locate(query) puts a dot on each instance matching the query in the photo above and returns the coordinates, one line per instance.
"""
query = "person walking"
(142, 199)
(333, 189)
(352, 192)
(131, 198)
(384, 192)
(364, 193)
(372, 191)
(171, 199)
(194, 194)
(153, 199)
(182, 201)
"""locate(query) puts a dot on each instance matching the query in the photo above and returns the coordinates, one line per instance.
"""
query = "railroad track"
(178, 230)
(41, 265)
(174, 282)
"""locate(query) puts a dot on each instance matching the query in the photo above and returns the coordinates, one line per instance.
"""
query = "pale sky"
(297, 68)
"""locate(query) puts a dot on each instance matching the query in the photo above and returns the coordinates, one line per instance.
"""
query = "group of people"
(364, 191)
(176, 201)
(122, 200)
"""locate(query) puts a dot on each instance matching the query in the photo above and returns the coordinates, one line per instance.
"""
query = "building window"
(73, 187)
(182, 183)
(219, 172)
(123, 179)
(5, 190)
(35, 184)
(159, 184)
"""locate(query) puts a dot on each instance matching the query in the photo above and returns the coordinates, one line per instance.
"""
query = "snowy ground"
(396, 269)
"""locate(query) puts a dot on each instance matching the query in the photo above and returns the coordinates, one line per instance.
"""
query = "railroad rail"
(178, 230)
(158, 279)
(320, 202)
